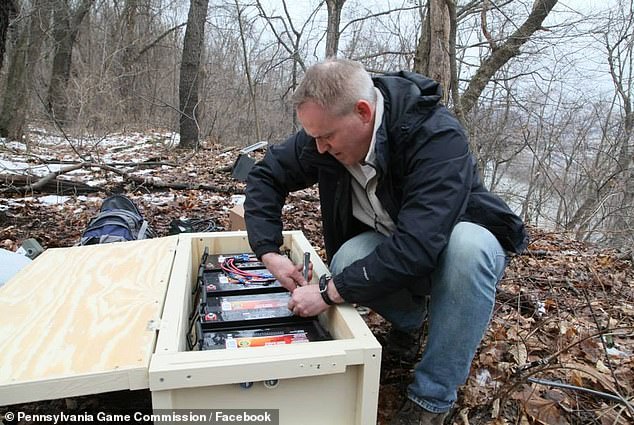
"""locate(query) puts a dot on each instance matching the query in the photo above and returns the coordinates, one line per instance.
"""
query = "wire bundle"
(243, 276)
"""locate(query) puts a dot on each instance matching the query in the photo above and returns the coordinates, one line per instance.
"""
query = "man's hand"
(307, 301)
(288, 274)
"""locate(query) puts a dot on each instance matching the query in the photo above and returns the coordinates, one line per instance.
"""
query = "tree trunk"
(332, 33)
(66, 23)
(12, 118)
(129, 53)
(8, 10)
(15, 105)
(190, 70)
(433, 50)
(247, 70)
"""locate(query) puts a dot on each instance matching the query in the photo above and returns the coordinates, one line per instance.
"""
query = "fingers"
(306, 301)
(296, 275)
(310, 272)
(294, 307)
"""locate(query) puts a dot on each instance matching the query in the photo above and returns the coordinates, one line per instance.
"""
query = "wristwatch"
(323, 288)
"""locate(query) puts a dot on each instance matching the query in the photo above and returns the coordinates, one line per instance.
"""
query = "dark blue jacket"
(427, 182)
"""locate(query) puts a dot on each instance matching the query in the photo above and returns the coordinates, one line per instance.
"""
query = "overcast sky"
(580, 59)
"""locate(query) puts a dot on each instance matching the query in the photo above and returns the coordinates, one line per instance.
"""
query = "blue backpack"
(118, 220)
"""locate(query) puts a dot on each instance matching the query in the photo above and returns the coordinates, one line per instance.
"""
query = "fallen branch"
(149, 182)
(52, 184)
(17, 183)
(52, 176)
(143, 164)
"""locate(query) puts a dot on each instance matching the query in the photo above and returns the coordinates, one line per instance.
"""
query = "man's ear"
(365, 110)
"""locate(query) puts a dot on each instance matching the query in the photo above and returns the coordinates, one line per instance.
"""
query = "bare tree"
(25, 55)
(433, 57)
(129, 52)
(501, 54)
(620, 54)
(332, 33)
(608, 197)
(66, 26)
(8, 10)
(247, 70)
(290, 38)
(190, 73)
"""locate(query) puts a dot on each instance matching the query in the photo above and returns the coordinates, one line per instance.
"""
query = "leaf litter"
(561, 336)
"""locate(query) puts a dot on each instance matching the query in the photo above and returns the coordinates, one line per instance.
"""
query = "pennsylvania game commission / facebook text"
(216, 416)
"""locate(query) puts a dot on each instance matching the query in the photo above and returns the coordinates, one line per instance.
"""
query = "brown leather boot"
(412, 414)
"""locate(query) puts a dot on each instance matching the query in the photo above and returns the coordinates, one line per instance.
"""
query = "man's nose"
(322, 147)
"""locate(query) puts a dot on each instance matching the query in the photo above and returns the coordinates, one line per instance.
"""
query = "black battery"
(240, 310)
(281, 334)
(243, 261)
(220, 283)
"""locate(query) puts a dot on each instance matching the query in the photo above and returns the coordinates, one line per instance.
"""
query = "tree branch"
(52, 184)
(505, 52)
(156, 41)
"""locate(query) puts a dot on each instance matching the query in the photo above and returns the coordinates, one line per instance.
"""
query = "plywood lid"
(82, 320)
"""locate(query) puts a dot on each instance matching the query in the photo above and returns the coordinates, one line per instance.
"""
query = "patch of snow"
(482, 377)
(79, 171)
(170, 140)
(16, 146)
(53, 199)
(143, 172)
(615, 352)
(95, 183)
(13, 165)
(572, 252)
(541, 309)
(24, 168)
(19, 202)
(48, 140)
(157, 199)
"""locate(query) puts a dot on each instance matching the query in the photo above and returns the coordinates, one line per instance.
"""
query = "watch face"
(323, 283)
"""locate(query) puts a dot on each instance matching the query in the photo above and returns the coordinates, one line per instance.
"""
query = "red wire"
(229, 266)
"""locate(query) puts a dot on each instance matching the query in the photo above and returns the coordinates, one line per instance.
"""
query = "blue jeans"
(459, 308)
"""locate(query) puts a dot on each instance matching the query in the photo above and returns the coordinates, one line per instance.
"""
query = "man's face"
(346, 137)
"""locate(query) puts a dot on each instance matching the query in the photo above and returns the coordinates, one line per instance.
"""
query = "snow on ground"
(40, 139)
(52, 199)
(31, 159)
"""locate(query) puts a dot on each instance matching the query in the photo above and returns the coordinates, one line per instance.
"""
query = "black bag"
(118, 220)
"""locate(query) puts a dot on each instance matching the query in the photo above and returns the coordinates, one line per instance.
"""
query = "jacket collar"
(407, 97)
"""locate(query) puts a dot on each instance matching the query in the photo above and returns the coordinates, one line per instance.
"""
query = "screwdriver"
(306, 263)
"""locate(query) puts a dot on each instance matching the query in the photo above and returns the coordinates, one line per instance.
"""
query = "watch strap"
(323, 289)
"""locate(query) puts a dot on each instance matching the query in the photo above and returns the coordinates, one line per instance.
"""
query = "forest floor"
(564, 313)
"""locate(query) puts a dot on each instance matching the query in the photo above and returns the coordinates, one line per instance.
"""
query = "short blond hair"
(336, 85)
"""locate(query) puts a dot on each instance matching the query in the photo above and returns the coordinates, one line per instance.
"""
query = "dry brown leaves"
(565, 310)
(565, 313)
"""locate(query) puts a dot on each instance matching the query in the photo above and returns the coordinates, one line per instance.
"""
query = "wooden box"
(87, 320)
(326, 382)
